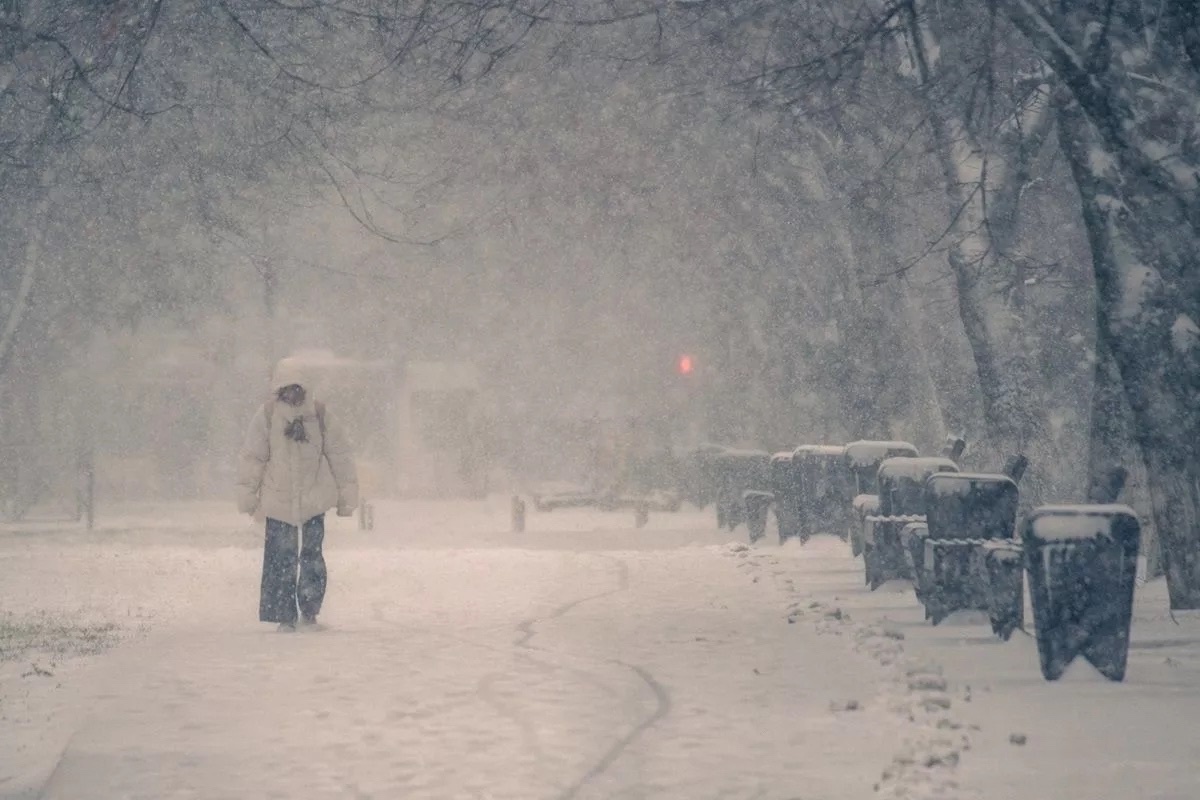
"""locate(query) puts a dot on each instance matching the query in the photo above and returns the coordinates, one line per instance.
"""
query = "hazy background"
(569, 207)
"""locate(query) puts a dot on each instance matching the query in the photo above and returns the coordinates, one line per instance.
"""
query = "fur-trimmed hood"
(288, 372)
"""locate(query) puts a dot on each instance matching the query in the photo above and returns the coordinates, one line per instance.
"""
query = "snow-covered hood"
(287, 372)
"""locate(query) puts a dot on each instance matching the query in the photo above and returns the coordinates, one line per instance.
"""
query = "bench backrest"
(902, 483)
(824, 474)
(739, 470)
(864, 457)
(971, 506)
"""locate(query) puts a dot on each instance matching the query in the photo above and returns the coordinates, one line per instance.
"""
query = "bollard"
(366, 516)
(1082, 564)
(518, 514)
(90, 491)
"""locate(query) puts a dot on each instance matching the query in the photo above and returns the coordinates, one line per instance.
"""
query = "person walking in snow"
(295, 465)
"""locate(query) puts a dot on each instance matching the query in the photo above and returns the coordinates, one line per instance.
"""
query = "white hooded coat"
(295, 481)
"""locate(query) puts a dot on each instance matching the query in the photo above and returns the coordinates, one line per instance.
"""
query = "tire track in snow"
(526, 627)
(610, 757)
(528, 630)
(486, 687)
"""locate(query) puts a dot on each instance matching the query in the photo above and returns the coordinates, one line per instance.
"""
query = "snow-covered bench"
(965, 512)
(737, 472)
(901, 501)
(825, 488)
(1082, 564)
(809, 489)
(785, 490)
(963, 555)
(698, 476)
(863, 458)
(757, 504)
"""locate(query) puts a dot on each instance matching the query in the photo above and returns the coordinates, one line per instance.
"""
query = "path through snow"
(446, 672)
(583, 659)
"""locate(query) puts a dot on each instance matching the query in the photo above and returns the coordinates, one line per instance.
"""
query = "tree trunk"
(1147, 324)
(16, 314)
(31, 262)
(897, 387)
(1000, 361)
(978, 237)
(1175, 493)
(1109, 436)
(905, 388)
(1111, 445)
(862, 387)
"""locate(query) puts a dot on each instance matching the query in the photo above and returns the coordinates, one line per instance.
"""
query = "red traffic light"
(685, 365)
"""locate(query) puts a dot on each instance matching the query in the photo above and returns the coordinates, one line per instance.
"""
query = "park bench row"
(953, 534)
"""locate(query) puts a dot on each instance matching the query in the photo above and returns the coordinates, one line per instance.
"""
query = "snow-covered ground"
(1081, 738)
(581, 659)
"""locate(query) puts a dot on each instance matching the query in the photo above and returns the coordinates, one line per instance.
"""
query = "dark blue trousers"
(293, 573)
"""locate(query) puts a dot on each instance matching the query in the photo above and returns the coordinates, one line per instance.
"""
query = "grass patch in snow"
(19, 636)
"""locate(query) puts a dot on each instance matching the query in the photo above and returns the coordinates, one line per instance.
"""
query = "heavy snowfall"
(636, 399)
